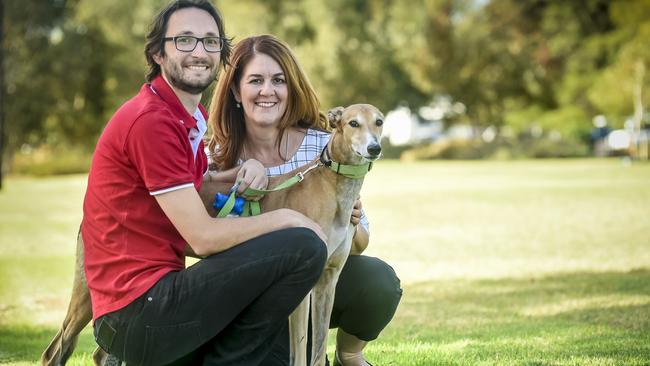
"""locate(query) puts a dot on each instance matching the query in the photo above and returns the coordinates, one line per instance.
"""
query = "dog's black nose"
(374, 149)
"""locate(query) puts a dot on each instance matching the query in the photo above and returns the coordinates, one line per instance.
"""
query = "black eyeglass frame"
(197, 40)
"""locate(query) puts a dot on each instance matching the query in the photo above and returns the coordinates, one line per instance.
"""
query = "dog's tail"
(78, 315)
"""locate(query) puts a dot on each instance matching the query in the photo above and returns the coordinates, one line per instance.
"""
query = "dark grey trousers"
(227, 309)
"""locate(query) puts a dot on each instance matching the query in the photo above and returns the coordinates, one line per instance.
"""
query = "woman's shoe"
(338, 363)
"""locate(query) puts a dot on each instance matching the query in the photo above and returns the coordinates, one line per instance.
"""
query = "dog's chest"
(339, 238)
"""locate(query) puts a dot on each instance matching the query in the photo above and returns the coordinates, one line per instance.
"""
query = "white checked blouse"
(311, 147)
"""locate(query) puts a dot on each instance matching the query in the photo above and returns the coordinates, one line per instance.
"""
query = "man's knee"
(307, 243)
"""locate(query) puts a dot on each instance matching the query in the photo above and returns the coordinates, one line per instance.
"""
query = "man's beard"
(174, 72)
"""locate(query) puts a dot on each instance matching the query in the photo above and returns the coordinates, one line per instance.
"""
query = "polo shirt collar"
(163, 90)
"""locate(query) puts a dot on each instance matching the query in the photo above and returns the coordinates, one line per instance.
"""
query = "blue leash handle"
(220, 200)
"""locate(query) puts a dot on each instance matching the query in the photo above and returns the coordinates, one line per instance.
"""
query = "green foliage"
(570, 121)
(620, 76)
(515, 64)
(55, 76)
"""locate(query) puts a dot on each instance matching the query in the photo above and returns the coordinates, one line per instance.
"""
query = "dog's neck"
(347, 189)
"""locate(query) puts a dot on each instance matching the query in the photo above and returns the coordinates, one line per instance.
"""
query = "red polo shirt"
(145, 149)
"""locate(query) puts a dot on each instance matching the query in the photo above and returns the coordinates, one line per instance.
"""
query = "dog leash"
(252, 208)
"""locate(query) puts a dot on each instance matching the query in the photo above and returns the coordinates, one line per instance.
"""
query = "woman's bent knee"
(367, 297)
(377, 277)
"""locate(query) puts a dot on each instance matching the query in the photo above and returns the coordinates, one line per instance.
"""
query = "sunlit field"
(502, 263)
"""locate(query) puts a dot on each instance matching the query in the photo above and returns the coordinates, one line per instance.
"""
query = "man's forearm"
(225, 233)
(207, 235)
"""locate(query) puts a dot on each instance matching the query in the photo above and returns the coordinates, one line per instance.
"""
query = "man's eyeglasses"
(188, 43)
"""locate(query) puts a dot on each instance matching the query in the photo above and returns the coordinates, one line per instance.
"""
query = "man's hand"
(252, 174)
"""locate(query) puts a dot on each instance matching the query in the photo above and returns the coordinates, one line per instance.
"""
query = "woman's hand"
(252, 174)
(356, 213)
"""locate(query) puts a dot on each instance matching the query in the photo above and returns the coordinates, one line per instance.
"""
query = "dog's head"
(360, 126)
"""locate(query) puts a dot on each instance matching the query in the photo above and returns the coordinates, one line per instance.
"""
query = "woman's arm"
(361, 236)
(229, 175)
(360, 240)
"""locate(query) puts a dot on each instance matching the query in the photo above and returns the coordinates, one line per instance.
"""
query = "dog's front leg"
(322, 301)
(298, 333)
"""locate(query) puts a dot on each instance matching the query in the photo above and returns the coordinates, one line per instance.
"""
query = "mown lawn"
(502, 263)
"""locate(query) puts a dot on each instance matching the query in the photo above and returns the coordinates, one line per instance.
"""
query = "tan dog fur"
(324, 196)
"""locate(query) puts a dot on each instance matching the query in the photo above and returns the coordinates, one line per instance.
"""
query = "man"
(142, 211)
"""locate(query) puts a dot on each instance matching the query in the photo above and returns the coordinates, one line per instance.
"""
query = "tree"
(621, 74)
(366, 69)
(519, 61)
(31, 27)
(69, 65)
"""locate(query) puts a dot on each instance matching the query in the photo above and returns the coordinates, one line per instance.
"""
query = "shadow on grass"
(582, 318)
(25, 343)
(572, 318)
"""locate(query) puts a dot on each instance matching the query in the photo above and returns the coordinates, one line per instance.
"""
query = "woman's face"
(263, 91)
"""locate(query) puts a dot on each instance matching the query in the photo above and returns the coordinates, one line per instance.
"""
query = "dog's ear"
(334, 116)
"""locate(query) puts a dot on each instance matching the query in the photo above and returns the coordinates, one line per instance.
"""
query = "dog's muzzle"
(374, 150)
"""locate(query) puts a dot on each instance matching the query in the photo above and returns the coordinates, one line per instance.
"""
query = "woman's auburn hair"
(226, 120)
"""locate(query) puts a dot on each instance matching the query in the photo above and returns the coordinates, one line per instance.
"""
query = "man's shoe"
(112, 361)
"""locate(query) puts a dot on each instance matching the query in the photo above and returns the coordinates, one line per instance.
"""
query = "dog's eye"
(379, 122)
(354, 123)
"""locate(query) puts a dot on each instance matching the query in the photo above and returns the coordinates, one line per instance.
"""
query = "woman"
(264, 108)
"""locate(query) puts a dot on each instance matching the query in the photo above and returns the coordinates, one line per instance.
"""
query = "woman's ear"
(235, 94)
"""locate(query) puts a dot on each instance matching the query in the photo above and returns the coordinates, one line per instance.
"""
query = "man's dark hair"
(155, 37)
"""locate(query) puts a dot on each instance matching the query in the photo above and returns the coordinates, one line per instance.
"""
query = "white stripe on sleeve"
(170, 189)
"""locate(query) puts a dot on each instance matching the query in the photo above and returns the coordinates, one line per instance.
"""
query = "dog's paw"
(334, 116)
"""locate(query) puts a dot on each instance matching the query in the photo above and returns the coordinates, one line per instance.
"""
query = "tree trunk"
(640, 147)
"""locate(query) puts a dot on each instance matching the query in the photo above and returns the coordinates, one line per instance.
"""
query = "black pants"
(366, 298)
(227, 309)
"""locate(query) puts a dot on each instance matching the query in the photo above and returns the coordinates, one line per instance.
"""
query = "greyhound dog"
(325, 195)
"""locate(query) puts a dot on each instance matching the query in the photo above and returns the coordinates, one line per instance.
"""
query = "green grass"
(502, 263)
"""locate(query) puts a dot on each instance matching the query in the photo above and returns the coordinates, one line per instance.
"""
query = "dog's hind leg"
(78, 315)
(298, 333)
